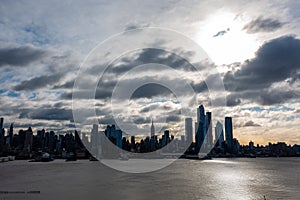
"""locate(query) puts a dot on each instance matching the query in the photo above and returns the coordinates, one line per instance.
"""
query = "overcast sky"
(254, 46)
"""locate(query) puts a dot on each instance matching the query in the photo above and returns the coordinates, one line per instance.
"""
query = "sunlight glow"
(223, 38)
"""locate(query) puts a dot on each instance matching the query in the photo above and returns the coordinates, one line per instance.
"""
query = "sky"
(252, 46)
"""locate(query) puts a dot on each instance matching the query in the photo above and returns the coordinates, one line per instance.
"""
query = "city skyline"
(41, 54)
(202, 135)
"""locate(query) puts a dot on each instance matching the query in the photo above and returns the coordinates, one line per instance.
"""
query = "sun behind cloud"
(222, 36)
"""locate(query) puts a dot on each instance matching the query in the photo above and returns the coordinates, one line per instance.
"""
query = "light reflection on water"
(219, 161)
(184, 179)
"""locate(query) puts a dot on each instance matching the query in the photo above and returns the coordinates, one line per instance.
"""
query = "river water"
(242, 178)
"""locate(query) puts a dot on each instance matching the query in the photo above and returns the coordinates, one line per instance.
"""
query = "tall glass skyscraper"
(95, 140)
(209, 136)
(228, 133)
(201, 129)
(188, 130)
(219, 134)
(1, 125)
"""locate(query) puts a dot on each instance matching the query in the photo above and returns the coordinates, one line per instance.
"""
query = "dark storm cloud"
(263, 97)
(199, 87)
(231, 100)
(173, 118)
(263, 25)
(276, 97)
(109, 80)
(105, 91)
(276, 61)
(250, 123)
(150, 55)
(142, 120)
(20, 56)
(47, 114)
(38, 82)
(107, 120)
(150, 90)
(101, 93)
(26, 125)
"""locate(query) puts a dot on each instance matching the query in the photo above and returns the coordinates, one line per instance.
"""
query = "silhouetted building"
(152, 130)
(188, 130)
(229, 134)
(219, 134)
(1, 125)
(209, 136)
(95, 139)
(201, 128)
(167, 136)
(251, 145)
(28, 141)
(114, 135)
(1, 135)
(52, 142)
(11, 133)
(133, 146)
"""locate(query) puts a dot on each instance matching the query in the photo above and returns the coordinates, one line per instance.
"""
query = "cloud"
(150, 55)
(66, 85)
(132, 26)
(47, 114)
(20, 56)
(232, 100)
(142, 120)
(275, 62)
(173, 118)
(101, 93)
(250, 123)
(276, 96)
(261, 24)
(199, 87)
(38, 82)
(263, 96)
(23, 125)
(150, 90)
(221, 33)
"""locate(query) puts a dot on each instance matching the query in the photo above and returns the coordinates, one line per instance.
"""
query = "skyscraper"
(114, 135)
(1, 127)
(219, 134)
(228, 133)
(11, 132)
(152, 130)
(28, 141)
(188, 130)
(1, 134)
(209, 136)
(118, 135)
(95, 140)
(201, 129)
